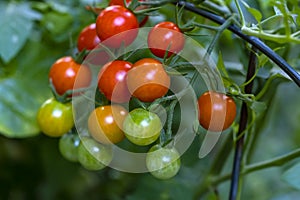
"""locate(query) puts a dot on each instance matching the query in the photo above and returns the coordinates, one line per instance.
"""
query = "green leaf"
(24, 87)
(258, 107)
(254, 12)
(292, 176)
(57, 24)
(16, 22)
(221, 65)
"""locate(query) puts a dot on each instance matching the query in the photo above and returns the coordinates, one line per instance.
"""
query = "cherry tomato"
(105, 123)
(163, 162)
(165, 36)
(147, 80)
(119, 22)
(65, 71)
(55, 118)
(68, 146)
(112, 81)
(88, 38)
(216, 111)
(118, 2)
(142, 19)
(93, 155)
(97, 57)
(142, 127)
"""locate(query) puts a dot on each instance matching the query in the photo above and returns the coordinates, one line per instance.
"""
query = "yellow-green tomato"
(142, 127)
(55, 118)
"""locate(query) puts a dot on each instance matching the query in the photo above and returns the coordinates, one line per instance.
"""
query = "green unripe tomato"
(142, 127)
(93, 155)
(163, 162)
(68, 147)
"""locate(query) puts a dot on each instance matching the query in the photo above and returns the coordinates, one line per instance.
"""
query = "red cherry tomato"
(119, 22)
(65, 71)
(118, 2)
(216, 111)
(165, 36)
(148, 80)
(141, 18)
(112, 81)
(88, 38)
(105, 123)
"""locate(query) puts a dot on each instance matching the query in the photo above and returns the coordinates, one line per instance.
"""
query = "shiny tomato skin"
(148, 80)
(105, 123)
(119, 22)
(65, 72)
(112, 81)
(55, 118)
(217, 111)
(88, 38)
(165, 36)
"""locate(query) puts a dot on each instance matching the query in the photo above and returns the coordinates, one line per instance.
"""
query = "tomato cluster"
(120, 81)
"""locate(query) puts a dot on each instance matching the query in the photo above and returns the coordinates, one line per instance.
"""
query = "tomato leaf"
(258, 107)
(292, 176)
(16, 24)
(56, 24)
(24, 87)
(254, 12)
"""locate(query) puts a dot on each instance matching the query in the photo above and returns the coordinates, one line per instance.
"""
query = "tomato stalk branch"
(290, 71)
(170, 119)
(219, 31)
(235, 177)
(274, 162)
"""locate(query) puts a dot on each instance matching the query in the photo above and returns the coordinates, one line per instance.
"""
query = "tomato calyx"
(67, 96)
(80, 56)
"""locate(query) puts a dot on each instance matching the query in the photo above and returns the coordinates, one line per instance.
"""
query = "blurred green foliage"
(34, 34)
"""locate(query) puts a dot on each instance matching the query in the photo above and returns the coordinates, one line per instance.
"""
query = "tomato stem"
(170, 119)
(239, 147)
(290, 71)
(274, 162)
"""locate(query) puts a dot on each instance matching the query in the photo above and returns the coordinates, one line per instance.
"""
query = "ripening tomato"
(105, 123)
(119, 22)
(112, 81)
(65, 72)
(217, 111)
(55, 118)
(88, 38)
(165, 36)
(148, 80)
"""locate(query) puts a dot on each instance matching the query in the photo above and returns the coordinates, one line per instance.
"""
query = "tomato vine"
(147, 81)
